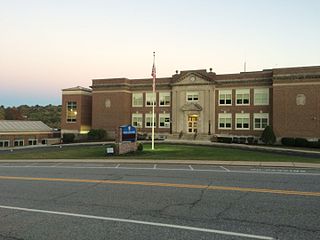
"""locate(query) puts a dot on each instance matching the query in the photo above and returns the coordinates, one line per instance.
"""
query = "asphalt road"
(112, 201)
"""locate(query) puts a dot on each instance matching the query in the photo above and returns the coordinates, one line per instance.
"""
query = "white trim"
(242, 91)
(137, 115)
(137, 105)
(225, 93)
(153, 97)
(224, 116)
(261, 91)
(242, 116)
(166, 94)
(193, 94)
(260, 116)
(164, 115)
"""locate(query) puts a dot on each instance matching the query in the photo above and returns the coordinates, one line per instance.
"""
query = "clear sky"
(48, 45)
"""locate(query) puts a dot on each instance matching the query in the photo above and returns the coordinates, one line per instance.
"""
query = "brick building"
(201, 102)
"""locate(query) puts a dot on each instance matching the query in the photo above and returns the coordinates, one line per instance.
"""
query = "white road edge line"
(141, 222)
(224, 168)
(191, 168)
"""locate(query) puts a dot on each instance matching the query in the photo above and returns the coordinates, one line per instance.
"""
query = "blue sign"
(129, 133)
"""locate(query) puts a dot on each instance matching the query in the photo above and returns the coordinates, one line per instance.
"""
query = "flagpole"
(153, 97)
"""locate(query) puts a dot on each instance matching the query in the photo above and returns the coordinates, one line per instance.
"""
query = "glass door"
(192, 123)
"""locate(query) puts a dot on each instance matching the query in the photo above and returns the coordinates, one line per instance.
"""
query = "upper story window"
(242, 96)
(150, 98)
(72, 111)
(225, 97)
(261, 96)
(242, 121)
(164, 99)
(192, 96)
(137, 100)
(164, 120)
(225, 121)
(137, 120)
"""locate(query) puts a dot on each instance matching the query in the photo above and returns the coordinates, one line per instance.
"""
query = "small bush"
(301, 142)
(268, 136)
(286, 141)
(314, 144)
(235, 140)
(142, 136)
(250, 140)
(140, 147)
(97, 134)
(68, 138)
(225, 139)
(242, 140)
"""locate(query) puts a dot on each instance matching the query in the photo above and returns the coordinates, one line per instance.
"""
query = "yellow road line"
(159, 184)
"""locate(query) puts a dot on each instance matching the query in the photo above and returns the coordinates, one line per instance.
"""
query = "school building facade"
(201, 103)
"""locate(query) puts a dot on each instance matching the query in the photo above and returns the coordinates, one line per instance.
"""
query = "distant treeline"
(49, 114)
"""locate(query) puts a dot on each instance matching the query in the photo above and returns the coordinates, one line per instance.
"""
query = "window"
(164, 99)
(148, 120)
(261, 96)
(150, 98)
(137, 100)
(18, 143)
(225, 97)
(225, 121)
(261, 120)
(243, 96)
(242, 121)
(137, 120)
(192, 96)
(164, 120)
(71, 112)
(4, 143)
(32, 142)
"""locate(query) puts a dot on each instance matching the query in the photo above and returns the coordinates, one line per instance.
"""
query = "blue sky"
(46, 46)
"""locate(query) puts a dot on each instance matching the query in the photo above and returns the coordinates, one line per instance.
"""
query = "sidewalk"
(175, 162)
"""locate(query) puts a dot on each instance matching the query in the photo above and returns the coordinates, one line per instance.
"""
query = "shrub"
(225, 139)
(140, 147)
(314, 144)
(235, 140)
(97, 134)
(142, 136)
(286, 141)
(301, 142)
(250, 140)
(242, 140)
(268, 136)
(68, 138)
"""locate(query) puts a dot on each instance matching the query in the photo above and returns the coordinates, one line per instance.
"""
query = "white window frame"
(192, 96)
(165, 119)
(242, 92)
(223, 96)
(261, 94)
(222, 117)
(162, 98)
(149, 98)
(242, 116)
(3, 143)
(260, 116)
(18, 140)
(137, 99)
(135, 118)
(33, 141)
(148, 119)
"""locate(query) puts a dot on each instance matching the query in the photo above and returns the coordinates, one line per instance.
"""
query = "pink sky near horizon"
(46, 46)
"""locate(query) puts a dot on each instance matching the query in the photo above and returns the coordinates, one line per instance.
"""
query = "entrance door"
(192, 123)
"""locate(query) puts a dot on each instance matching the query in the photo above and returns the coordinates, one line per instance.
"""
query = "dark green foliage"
(268, 136)
(250, 140)
(97, 134)
(235, 140)
(242, 140)
(301, 142)
(314, 144)
(50, 115)
(140, 147)
(225, 139)
(286, 141)
(68, 138)
(142, 136)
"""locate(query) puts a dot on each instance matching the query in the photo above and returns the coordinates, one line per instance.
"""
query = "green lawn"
(162, 152)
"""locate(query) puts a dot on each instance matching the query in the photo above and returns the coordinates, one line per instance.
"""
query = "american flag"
(153, 74)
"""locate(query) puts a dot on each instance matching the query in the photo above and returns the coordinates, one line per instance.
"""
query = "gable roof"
(23, 126)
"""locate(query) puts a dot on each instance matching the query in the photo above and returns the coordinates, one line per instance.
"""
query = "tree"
(268, 136)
